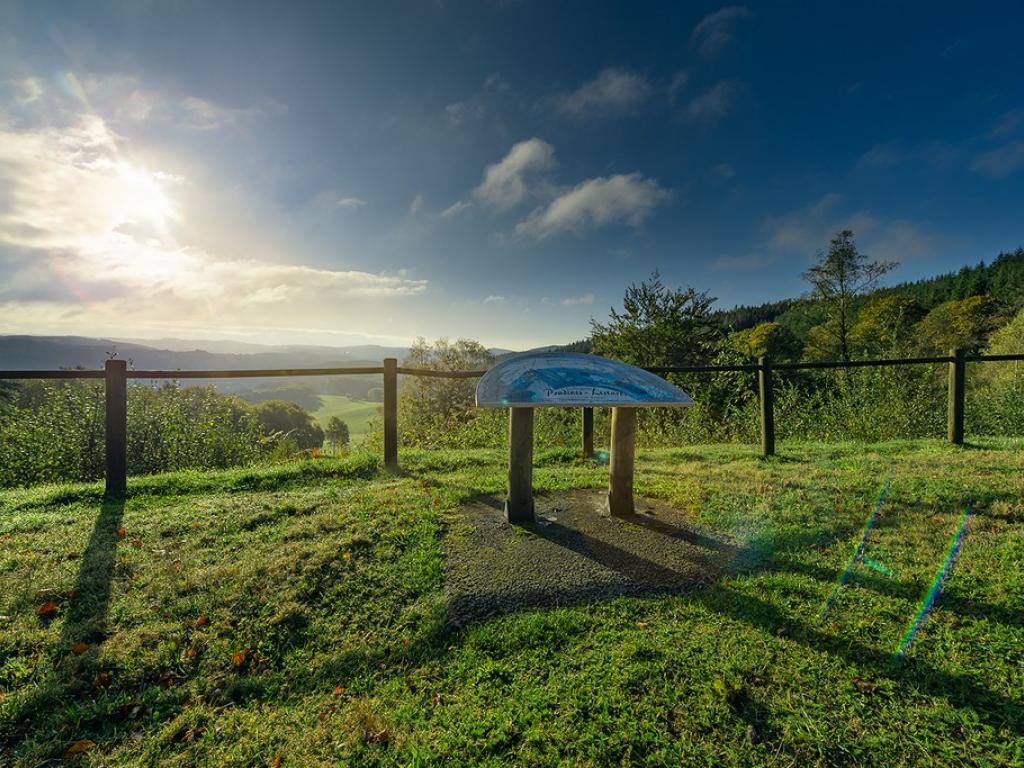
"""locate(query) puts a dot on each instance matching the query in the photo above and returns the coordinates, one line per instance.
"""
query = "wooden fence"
(116, 374)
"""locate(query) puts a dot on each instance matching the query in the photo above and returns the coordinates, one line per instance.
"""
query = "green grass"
(356, 413)
(298, 612)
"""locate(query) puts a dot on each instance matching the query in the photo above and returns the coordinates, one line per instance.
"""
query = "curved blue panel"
(539, 379)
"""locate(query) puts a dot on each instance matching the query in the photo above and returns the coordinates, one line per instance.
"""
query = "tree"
(429, 405)
(884, 324)
(658, 326)
(773, 340)
(337, 432)
(841, 274)
(953, 324)
(279, 417)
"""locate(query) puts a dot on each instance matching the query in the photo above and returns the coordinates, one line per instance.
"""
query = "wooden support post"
(391, 413)
(116, 381)
(767, 395)
(620, 480)
(957, 383)
(588, 433)
(519, 505)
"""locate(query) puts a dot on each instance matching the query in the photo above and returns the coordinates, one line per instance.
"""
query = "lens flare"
(952, 552)
(858, 553)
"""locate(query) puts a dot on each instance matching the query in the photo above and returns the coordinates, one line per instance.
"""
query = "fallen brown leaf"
(202, 621)
(79, 648)
(47, 609)
(864, 686)
(82, 745)
(137, 543)
(102, 679)
(339, 689)
(277, 761)
(238, 658)
(121, 533)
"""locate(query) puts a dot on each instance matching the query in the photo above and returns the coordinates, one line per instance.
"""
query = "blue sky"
(341, 173)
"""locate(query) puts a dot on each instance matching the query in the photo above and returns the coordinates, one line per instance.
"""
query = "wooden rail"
(115, 375)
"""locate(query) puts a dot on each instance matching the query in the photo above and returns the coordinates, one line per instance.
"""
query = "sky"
(347, 173)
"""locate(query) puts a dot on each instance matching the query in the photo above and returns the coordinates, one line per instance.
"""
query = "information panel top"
(570, 379)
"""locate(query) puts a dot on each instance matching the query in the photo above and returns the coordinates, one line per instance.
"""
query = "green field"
(356, 413)
(296, 615)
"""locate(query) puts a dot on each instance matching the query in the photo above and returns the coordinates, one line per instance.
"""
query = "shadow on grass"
(959, 690)
(86, 615)
(84, 621)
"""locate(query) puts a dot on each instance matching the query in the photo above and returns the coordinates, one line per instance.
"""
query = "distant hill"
(26, 352)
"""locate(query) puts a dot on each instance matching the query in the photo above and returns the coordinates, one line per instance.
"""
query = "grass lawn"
(295, 616)
(356, 413)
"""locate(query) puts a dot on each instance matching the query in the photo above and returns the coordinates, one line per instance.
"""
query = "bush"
(54, 431)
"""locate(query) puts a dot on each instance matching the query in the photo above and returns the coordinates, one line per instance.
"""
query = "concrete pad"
(574, 553)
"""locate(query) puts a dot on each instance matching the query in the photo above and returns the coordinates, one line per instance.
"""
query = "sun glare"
(143, 198)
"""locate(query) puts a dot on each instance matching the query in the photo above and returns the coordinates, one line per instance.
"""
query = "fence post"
(116, 386)
(957, 382)
(588, 432)
(391, 413)
(764, 379)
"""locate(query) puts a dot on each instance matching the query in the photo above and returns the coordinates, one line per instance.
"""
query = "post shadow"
(85, 618)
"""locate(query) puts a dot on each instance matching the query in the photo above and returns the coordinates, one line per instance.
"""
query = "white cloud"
(587, 298)
(628, 198)
(350, 202)
(678, 83)
(713, 104)
(882, 155)
(612, 91)
(83, 225)
(504, 183)
(416, 205)
(27, 90)
(721, 173)
(203, 115)
(460, 111)
(455, 209)
(1000, 162)
(810, 229)
(493, 299)
(716, 30)
(1007, 124)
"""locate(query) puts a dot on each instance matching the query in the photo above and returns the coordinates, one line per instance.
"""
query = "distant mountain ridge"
(22, 352)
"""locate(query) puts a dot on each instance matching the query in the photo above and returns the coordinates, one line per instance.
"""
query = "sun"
(142, 198)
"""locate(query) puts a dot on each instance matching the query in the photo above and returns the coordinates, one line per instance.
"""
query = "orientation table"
(532, 380)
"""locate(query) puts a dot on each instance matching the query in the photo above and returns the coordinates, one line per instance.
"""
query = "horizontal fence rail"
(116, 374)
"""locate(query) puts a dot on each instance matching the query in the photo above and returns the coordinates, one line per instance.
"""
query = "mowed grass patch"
(239, 617)
(358, 414)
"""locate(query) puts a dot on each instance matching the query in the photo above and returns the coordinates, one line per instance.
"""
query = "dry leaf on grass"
(121, 533)
(79, 648)
(82, 745)
(47, 609)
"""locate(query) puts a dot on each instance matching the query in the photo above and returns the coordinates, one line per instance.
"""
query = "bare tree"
(841, 274)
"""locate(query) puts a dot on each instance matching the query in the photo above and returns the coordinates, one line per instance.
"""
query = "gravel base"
(573, 554)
